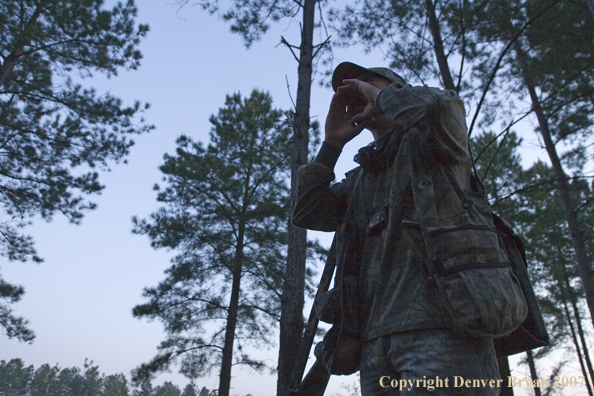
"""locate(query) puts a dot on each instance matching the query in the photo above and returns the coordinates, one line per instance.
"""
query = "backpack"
(476, 262)
(532, 333)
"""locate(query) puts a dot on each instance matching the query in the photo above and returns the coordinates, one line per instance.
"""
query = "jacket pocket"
(486, 302)
(472, 272)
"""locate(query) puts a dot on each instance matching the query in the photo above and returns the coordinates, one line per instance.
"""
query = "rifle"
(316, 380)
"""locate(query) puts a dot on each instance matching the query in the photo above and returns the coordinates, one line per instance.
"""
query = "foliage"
(554, 62)
(471, 43)
(558, 55)
(400, 29)
(528, 199)
(249, 18)
(225, 211)
(167, 389)
(54, 132)
(18, 380)
(551, 252)
(499, 167)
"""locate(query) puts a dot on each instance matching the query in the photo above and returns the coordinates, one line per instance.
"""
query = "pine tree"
(50, 124)
(225, 211)
(115, 385)
(167, 389)
(189, 390)
(551, 254)
(251, 19)
(528, 199)
(553, 63)
(18, 380)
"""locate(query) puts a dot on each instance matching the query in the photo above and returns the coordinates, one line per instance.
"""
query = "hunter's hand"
(339, 128)
(366, 94)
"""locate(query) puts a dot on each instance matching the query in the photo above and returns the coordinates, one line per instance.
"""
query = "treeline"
(17, 379)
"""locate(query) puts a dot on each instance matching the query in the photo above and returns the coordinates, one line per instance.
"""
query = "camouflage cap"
(351, 70)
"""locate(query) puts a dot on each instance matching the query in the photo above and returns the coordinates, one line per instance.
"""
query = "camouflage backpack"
(476, 262)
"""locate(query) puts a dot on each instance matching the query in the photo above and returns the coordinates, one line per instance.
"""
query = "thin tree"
(224, 212)
(577, 346)
(533, 373)
(572, 295)
(583, 262)
(550, 248)
(251, 19)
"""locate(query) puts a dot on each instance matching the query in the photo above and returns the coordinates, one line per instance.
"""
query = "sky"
(79, 300)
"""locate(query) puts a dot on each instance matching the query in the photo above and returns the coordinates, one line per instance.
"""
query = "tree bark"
(578, 320)
(440, 55)
(21, 41)
(577, 347)
(227, 356)
(562, 186)
(533, 374)
(292, 301)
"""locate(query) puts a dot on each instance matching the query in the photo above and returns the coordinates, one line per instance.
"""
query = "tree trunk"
(292, 301)
(567, 294)
(591, 6)
(10, 60)
(578, 320)
(577, 347)
(227, 358)
(562, 186)
(505, 372)
(533, 373)
(442, 60)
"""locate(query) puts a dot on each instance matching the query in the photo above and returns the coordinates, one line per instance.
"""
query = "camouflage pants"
(429, 362)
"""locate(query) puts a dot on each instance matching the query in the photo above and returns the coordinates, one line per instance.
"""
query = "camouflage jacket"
(384, 287)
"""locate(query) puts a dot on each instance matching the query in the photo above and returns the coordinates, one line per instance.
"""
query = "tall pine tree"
(251, 19)
(225, 210)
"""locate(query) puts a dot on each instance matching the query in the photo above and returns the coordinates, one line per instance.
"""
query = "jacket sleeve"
(443, 109)
(320, 205)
